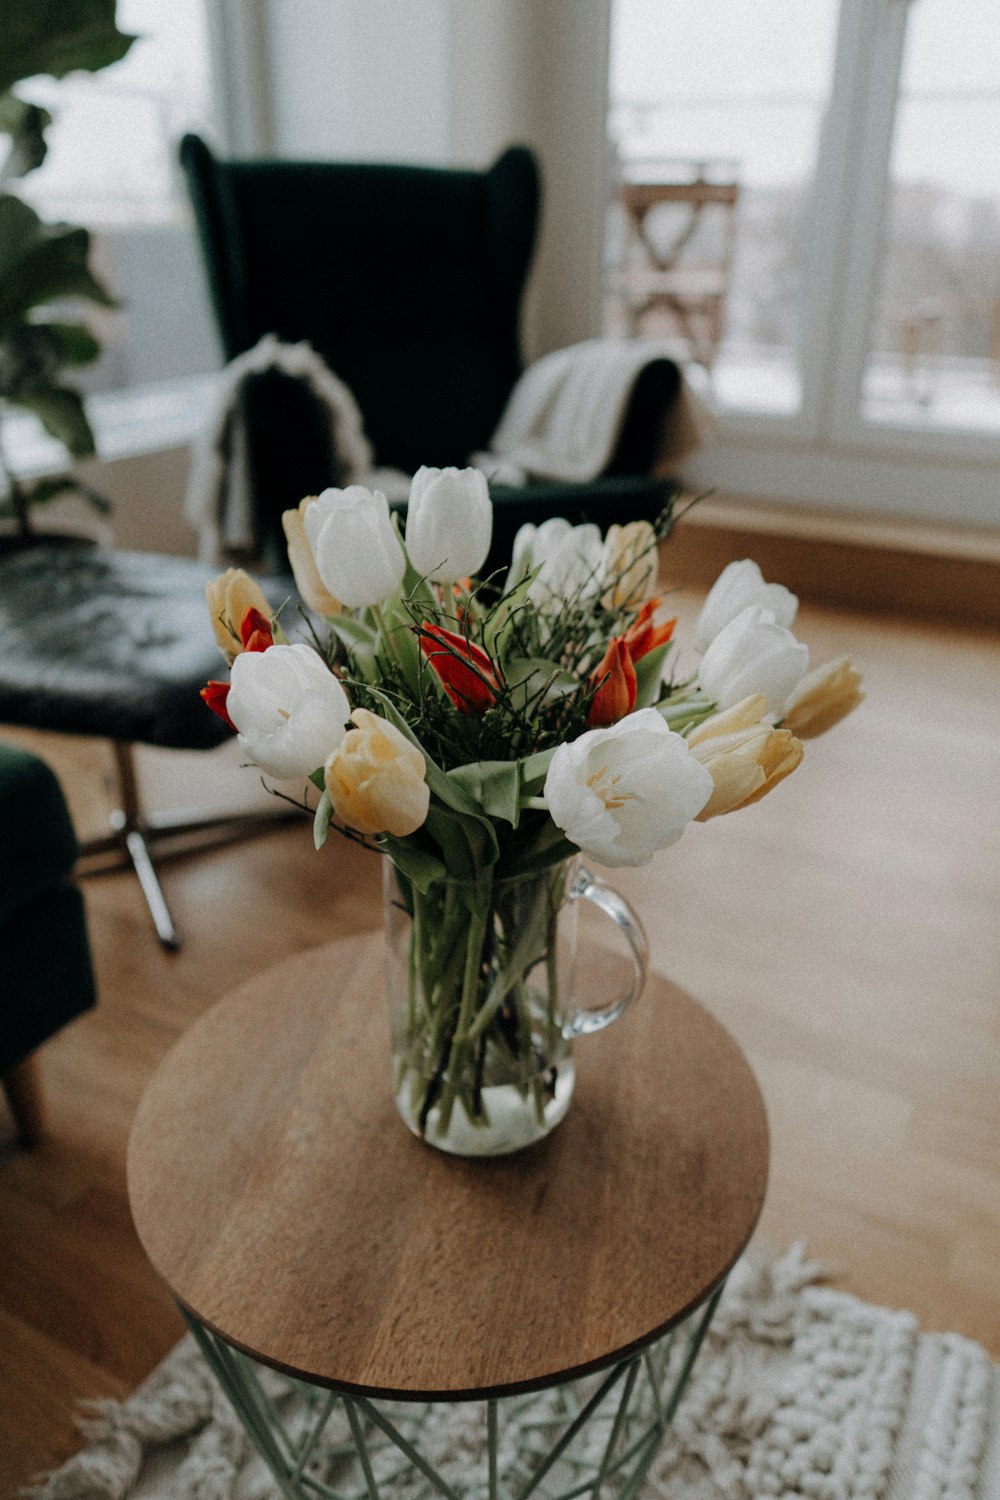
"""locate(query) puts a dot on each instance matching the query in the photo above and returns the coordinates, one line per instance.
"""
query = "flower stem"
(387, 636)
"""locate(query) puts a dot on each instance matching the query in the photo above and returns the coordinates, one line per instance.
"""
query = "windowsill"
(145, 419)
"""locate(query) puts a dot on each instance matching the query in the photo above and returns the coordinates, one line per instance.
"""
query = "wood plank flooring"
(846, 931)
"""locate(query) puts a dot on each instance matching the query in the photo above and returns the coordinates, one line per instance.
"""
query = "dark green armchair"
(47, 978)
(407, 280)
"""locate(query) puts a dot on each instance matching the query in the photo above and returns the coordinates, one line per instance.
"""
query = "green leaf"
(54, 485)
(495, 785)
(321, 820)
(77, 345)
(422, 867)
(414, 587)
(41, 263)
(499, 618)
(55, 37)
(468, 844)
(406, 646)
(361, 641)
(32, 355)
(545, 851)
(649, 675)
(536, 680)
(61, 413)
(535, 769)
(26, 125)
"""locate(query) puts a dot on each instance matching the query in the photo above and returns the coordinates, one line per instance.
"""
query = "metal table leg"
(595, 1437)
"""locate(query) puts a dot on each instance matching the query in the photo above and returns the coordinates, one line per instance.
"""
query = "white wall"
(454, 82)
(359, 79)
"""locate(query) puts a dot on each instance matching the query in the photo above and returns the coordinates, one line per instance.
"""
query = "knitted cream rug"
(799, 1390)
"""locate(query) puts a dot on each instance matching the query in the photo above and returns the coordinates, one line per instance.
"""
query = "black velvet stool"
(46, 978)
(118, 645)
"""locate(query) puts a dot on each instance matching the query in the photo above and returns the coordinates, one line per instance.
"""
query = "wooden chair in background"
(660, 285)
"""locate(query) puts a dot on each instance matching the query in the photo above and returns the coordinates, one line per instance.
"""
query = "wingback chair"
(46, 978)
(408, 281)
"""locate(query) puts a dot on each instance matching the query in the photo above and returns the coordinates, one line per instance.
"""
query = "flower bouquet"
(484, 734)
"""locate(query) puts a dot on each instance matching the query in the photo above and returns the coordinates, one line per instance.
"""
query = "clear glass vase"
(481, 980)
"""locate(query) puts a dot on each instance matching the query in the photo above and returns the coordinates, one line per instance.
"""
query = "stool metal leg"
(596, 1437)
(135, 835)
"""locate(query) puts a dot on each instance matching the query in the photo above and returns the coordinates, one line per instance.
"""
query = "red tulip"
(643, 636)
(255, 631)
(615, 696)
(215, 695)
(465, 671)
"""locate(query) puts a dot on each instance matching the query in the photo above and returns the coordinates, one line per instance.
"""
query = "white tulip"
(753, 654)
(621, 793)
(737, 587)
(358, 555)
(290, 710)
(449, 523)
(570, 560)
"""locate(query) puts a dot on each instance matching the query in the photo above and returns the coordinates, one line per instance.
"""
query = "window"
(736, 90)
(934, 358)
(112, 166)
(862, 309)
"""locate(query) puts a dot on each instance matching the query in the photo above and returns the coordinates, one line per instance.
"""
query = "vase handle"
(592, 888)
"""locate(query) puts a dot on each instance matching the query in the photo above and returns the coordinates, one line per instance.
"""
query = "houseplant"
(483, 738)
(45, 266)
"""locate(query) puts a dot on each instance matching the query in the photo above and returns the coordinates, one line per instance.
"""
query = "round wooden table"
(300, 1226)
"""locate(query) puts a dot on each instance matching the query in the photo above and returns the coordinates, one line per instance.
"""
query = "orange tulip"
(215, 695)
(465, 671)
(615, 696)
(643, 635)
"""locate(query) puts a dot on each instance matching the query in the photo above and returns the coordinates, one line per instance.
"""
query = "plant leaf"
(26, 125)
(499, 617)
(420, 865)
(76, 344)
(54, 485)
(61, 413)
(649, 675)
(495, 785)
(321, 820)
(468, 844)
(535, 769)
(55, 37)
(40, 263)
(361, 641)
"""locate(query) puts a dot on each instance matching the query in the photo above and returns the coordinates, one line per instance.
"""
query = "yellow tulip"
(823, 697)
(376, 778)
(745, 757)
(631, 561)
(307, 580)
(228, 597)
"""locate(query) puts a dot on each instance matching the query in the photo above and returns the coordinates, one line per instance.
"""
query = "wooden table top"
(286, 1205)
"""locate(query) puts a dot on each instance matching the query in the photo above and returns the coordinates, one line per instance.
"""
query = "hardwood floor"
(845, 931)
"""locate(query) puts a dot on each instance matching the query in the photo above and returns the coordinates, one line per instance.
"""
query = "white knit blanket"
(562, 421)
(799, 1390)
(565, 414)
(218, 501)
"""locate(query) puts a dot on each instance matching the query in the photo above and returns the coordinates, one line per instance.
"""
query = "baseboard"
(924, 570)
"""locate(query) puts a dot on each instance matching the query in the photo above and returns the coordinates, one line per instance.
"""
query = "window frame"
(829, 452)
